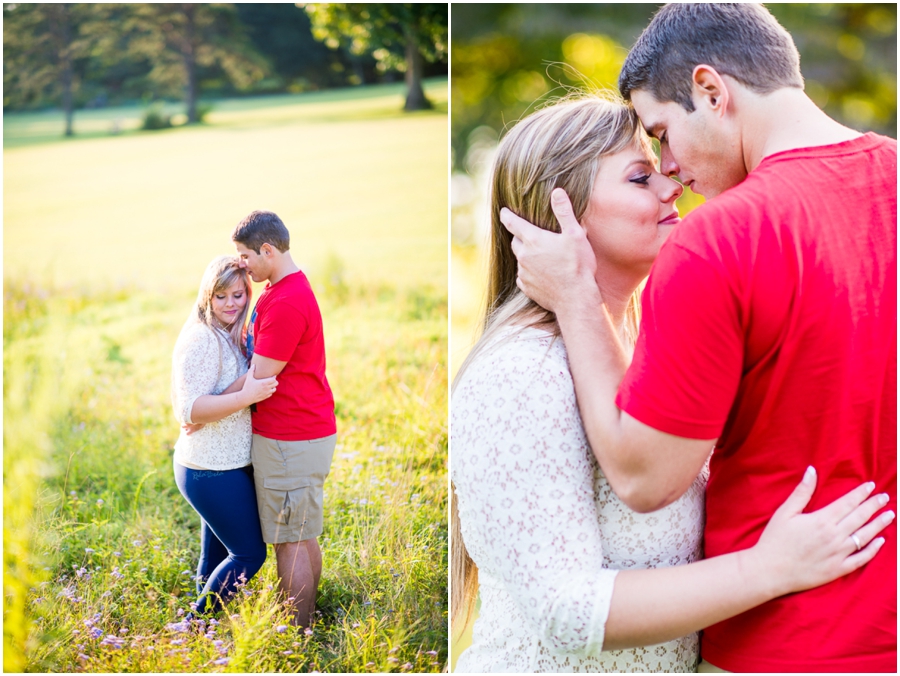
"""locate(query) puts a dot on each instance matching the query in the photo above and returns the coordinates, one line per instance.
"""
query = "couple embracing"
(254, 477)
(717, 453)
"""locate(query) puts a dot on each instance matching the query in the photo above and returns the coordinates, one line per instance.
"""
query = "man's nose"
(667, 163)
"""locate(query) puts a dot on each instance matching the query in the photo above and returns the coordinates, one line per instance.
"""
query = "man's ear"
(710, 89)
(265, 249)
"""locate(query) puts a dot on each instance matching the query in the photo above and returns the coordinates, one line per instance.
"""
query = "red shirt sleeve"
(689, 354)
(279, 331)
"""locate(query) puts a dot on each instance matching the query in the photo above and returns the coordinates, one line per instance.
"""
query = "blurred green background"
(509, 58)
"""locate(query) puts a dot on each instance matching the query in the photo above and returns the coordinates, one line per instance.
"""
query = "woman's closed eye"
(643, 179)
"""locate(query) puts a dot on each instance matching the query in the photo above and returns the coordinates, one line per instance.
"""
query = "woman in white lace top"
(537, 529)
(212, 461)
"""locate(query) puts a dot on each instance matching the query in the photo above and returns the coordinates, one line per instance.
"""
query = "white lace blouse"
(206, 363)
(542, 524)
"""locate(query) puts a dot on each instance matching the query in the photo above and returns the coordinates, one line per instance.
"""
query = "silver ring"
(855, 541)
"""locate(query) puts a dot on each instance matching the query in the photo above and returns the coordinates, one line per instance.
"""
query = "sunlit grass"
(105, 240)
(101, 563)
(351, 178)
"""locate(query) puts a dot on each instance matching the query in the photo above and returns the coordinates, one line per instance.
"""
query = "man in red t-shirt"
(294, 431)
(769, 324)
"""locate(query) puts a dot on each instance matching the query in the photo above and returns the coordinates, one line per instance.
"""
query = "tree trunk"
(62, 32)
(415, 95)
(190, 64)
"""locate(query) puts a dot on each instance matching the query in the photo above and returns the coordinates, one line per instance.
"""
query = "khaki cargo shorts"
(289, 477)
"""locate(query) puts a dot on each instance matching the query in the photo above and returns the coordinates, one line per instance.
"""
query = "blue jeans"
(231, 543)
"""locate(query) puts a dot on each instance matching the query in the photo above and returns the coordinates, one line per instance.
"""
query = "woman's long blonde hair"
(560, 146)
(220, 274)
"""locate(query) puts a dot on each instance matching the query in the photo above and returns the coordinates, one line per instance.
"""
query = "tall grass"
(100, 548)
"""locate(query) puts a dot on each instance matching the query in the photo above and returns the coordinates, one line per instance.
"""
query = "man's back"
(770, 322)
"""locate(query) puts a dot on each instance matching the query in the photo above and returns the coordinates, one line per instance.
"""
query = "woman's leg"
(212, 554)
(226, 501)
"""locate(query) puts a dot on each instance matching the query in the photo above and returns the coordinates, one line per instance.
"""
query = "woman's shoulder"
(194, 337)
(522, 366)
(518, 350)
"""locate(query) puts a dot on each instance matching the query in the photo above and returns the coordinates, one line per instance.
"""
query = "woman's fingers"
(863, 513)
(838, 510)
(868, 532)
(861, 558)
(800, 496)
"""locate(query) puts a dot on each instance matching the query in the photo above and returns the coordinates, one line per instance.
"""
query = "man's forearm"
(598, 363)
(236, 386)
(648, 469)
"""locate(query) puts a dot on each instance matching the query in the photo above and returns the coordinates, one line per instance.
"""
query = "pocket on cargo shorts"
(289, 497)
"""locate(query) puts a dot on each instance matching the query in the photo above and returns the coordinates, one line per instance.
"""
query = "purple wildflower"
(221, 660)
(281, 628)
(307, 631)
(113, 641)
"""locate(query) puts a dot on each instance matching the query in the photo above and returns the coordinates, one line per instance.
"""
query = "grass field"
(105, 239)
(345, 174)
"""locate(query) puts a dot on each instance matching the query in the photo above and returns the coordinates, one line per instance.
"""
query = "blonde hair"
(560, 146)
(219, 276)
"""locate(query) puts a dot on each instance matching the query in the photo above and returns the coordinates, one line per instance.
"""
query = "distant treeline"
(83, 55)
(509, 57)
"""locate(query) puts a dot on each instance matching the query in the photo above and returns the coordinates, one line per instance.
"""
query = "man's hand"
(550, 264)
(189, 429)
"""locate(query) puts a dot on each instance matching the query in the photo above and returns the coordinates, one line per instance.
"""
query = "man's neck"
(785, 119)
(283, 267)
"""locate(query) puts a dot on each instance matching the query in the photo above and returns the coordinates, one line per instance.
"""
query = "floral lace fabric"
(205, 362)
(542, 524)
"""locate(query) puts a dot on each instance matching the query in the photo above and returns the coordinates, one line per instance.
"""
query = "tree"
(399, 36)
(180, 39)
(43, 51)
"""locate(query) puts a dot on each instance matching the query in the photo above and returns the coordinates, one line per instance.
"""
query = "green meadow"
(105, 238)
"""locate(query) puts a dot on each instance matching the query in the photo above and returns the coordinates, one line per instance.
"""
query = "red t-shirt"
(770, 322)
(287, 326)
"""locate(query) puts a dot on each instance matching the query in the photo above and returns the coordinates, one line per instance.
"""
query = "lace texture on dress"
(205, 362)
(542, 524)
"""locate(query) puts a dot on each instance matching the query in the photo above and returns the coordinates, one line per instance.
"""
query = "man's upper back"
(770, 322)
(288, 327)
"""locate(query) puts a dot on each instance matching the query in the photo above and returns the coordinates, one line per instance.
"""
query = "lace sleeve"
(195, 367)
(524, 482)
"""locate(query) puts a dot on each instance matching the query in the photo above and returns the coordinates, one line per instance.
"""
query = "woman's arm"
(529, 520)
(212, 407)
(524, 482)
(266, 366)
(795, 552)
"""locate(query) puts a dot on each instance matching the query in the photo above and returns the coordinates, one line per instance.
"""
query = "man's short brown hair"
(262, 227)
(743, 41)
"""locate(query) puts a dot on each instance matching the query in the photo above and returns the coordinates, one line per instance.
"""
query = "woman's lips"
(671, 219)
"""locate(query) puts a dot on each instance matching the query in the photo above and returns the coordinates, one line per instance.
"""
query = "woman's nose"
(674, 190)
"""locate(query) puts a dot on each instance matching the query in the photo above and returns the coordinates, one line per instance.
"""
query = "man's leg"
(300, 567)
